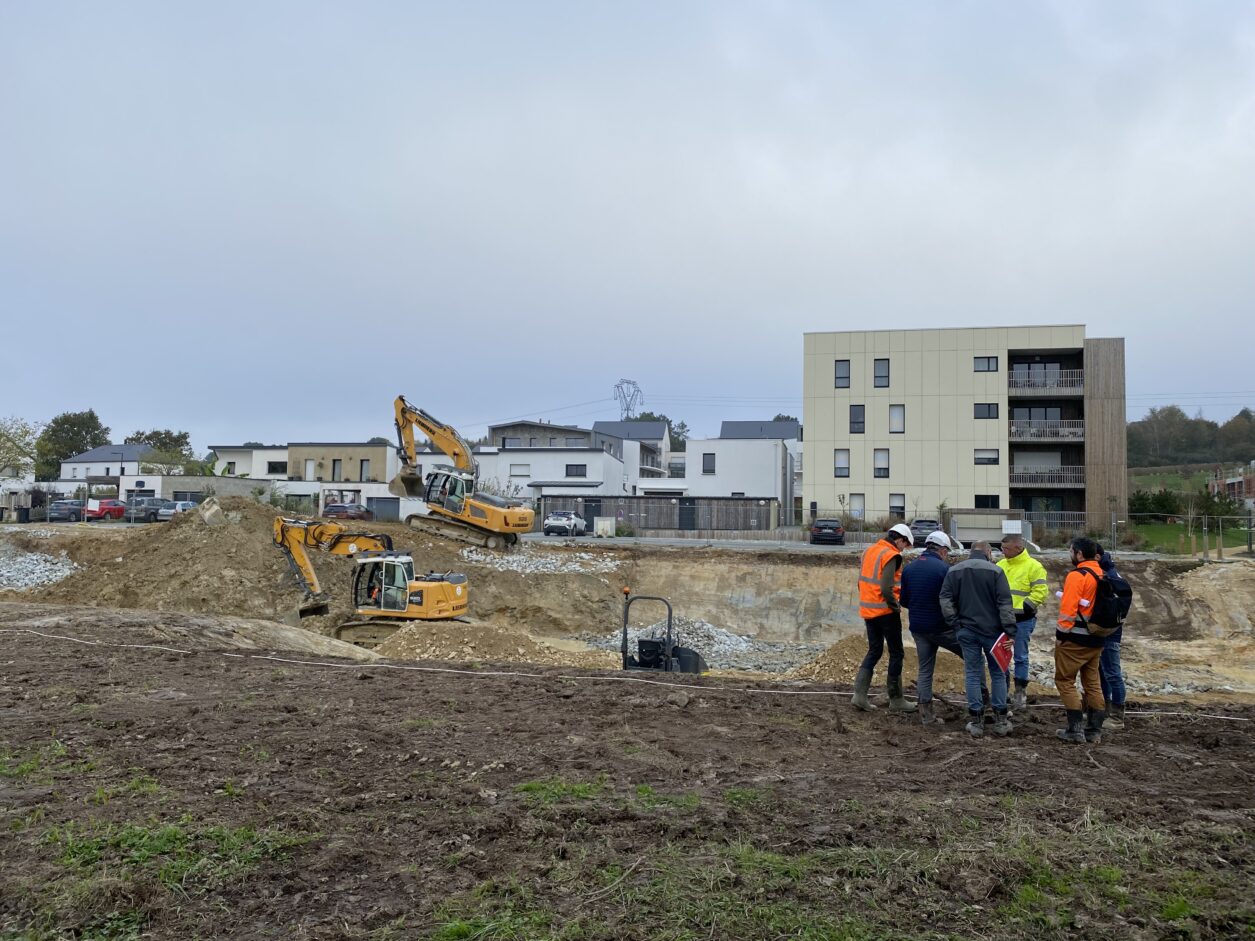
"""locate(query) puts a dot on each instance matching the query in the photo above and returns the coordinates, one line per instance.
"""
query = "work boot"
(1073, 733)
(896, 703)
(1002, 724)
(927, 716)
(1093, 731)
(1019, 699)
(987, 713)
(862, 683)
(975, 724)
(1115, 718)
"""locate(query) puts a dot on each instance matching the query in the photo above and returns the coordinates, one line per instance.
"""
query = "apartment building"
(1028, 418)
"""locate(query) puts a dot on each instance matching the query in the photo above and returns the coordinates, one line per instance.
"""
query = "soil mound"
(482, 641)
(840, 663)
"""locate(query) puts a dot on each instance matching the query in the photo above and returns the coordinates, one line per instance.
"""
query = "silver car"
(166, 513)
(565, 523)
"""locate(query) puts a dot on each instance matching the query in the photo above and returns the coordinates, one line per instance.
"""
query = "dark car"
(347, 511)
(143, 509)
(70, 511)
(830, 531)
(921, 528)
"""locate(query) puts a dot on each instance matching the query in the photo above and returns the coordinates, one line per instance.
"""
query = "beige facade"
(980, 417)
(333, 462)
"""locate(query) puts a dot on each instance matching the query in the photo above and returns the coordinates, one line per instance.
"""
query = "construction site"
(183, 756)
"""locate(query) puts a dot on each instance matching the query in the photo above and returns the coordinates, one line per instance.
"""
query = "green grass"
(1164, 537)
(1152, 481)
(554, 789)
(743, 797)
(41, 766)
(648, 798)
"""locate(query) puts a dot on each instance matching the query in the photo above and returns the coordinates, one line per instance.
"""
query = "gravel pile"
(721, 648)
(530, 561)
(21, 570)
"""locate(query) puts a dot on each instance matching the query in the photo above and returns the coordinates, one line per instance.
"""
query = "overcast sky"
(263, 220)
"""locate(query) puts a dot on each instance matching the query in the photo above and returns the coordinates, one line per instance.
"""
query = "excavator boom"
(409, 483)
(293, 537)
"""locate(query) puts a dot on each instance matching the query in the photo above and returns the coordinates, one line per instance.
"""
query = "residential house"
(654, 438)
(261, 462)
(103, 464)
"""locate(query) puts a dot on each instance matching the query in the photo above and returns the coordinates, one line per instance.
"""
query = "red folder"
(1003, 651)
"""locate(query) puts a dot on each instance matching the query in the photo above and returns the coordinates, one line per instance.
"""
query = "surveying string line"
(608, 677)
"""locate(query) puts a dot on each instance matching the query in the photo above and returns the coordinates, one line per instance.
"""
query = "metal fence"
(640, 515)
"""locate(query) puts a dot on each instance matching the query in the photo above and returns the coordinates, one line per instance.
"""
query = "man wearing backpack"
(1110, 670)
(1029, 588)
(1079, 642)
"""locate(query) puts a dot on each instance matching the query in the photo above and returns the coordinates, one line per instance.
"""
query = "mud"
(158, 795)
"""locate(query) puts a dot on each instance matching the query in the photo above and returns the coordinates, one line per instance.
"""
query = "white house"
(720, 467)
(268, 462)
(545, 471)
(108, 460)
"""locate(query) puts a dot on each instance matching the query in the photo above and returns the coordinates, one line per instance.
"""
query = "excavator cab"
(382, 583)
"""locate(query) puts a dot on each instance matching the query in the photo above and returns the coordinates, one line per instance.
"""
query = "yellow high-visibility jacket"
(1028, 579)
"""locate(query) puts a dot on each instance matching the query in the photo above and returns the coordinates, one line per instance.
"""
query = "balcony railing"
(1022, 476)
(1063, 382)
(1064, 520)
(1026, 430)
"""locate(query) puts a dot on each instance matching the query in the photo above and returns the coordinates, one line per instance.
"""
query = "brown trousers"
(1071, 659)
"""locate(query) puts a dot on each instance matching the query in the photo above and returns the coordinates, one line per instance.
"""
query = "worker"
(1029, 589)
(879, 585)
(921, 595)
(1077, 651)
(976, 602)
(1110, 671)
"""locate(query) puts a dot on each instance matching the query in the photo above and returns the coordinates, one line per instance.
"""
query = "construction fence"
(667, 515)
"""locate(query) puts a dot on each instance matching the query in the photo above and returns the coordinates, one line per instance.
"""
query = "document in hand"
(1003, 651)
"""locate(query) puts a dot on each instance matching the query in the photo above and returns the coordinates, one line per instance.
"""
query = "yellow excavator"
(454, 507)
(386, 593)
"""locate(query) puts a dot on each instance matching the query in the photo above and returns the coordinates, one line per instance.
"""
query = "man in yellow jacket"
(1028, 592)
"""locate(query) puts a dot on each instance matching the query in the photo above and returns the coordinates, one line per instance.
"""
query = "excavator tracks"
(474, 537)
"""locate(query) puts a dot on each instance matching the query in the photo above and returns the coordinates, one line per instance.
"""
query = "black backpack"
(1113, 598)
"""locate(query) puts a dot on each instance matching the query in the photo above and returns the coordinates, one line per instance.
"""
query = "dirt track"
(148, 793)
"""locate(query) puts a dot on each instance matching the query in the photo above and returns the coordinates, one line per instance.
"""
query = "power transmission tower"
(630, 398)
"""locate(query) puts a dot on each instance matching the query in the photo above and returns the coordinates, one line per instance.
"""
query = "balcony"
(1063, 382)
(1024, 430)
(1047, 477)
(1058, 521)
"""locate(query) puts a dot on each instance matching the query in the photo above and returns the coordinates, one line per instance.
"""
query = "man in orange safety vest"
(879, 586)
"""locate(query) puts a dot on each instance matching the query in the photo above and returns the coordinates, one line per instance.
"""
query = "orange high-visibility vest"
(875, 557)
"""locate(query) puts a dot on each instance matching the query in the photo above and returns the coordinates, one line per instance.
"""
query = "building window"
(107, 471)
(337, 469)
(841, 462)
(73, 471)
(880, 458)
(986, 410)
(857, 423)
(986, 456)
(512, 442)
(897, 505)
(575, 442)
(985, 364)
(897, 419)
(520, 470)
(737, 493)
(881, 373)
(230, 469)
(277, 467)
(363, 470)
(577, 470)
(842, 380)
(858, 505)
(708, 463)
(553, 442)
(531, 442)
(987, 501)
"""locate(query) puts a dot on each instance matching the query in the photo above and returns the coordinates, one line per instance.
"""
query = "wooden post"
(1193, 546)
(1220, 541)
(1180, 543)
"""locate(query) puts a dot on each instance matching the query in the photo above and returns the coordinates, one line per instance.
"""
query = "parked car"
(565, 523)
(347, 511)
(143, 509)
(921, 529)
(106, 510)
(167, 512)
(70, 511)
(827, 531)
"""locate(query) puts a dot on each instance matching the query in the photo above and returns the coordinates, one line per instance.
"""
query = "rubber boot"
(862, 683)
(987, 713)
(1115, 718)
(975, 724)
(1074, 733)
(1002, 724)
(896, 703)
(1019, 699)
(927, 716)
(1093, 731)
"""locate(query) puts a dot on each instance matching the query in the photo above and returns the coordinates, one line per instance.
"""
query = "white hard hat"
(938, 538)
(904, 531)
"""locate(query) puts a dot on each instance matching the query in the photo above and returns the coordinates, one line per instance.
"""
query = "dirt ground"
(228, 792)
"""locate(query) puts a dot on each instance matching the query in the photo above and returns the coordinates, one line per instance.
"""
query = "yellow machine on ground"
(386, 593)
(455, 509)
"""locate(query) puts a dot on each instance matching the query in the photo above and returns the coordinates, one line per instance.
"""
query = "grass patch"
(647, 797)
(1166, 538)
(1177, 908)
(551, 790)
(743, 797)
(42, 765)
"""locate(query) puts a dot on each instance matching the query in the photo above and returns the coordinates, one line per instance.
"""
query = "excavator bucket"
(406, 485)
(307, 609)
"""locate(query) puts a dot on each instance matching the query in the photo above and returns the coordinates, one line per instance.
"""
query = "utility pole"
(630, 398)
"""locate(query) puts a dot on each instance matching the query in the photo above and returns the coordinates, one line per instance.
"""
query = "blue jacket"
(921, 587)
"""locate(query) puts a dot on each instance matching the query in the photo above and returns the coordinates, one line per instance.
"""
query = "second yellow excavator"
(386, 593)
(454, 507)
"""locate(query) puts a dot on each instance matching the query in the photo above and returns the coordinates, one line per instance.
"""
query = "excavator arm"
(409, 483)
(293, 537)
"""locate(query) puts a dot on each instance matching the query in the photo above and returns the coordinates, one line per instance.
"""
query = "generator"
(658, 653)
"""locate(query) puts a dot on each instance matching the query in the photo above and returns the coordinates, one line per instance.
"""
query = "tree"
(783, 417)
(163, 440)
(378, 440)
(68, 434)
(252, 444)
(678, 432)
(17, 445)
(164, 462)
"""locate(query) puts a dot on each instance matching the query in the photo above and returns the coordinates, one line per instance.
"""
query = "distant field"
(1164, 537)
(1152, 480)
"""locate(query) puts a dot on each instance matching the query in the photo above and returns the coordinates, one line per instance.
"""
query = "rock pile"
(533, 561)
(22, 570)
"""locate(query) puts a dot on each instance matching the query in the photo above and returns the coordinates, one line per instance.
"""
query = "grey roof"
(633, 430)
(537, 423)
(107, 452)
(786, 430)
